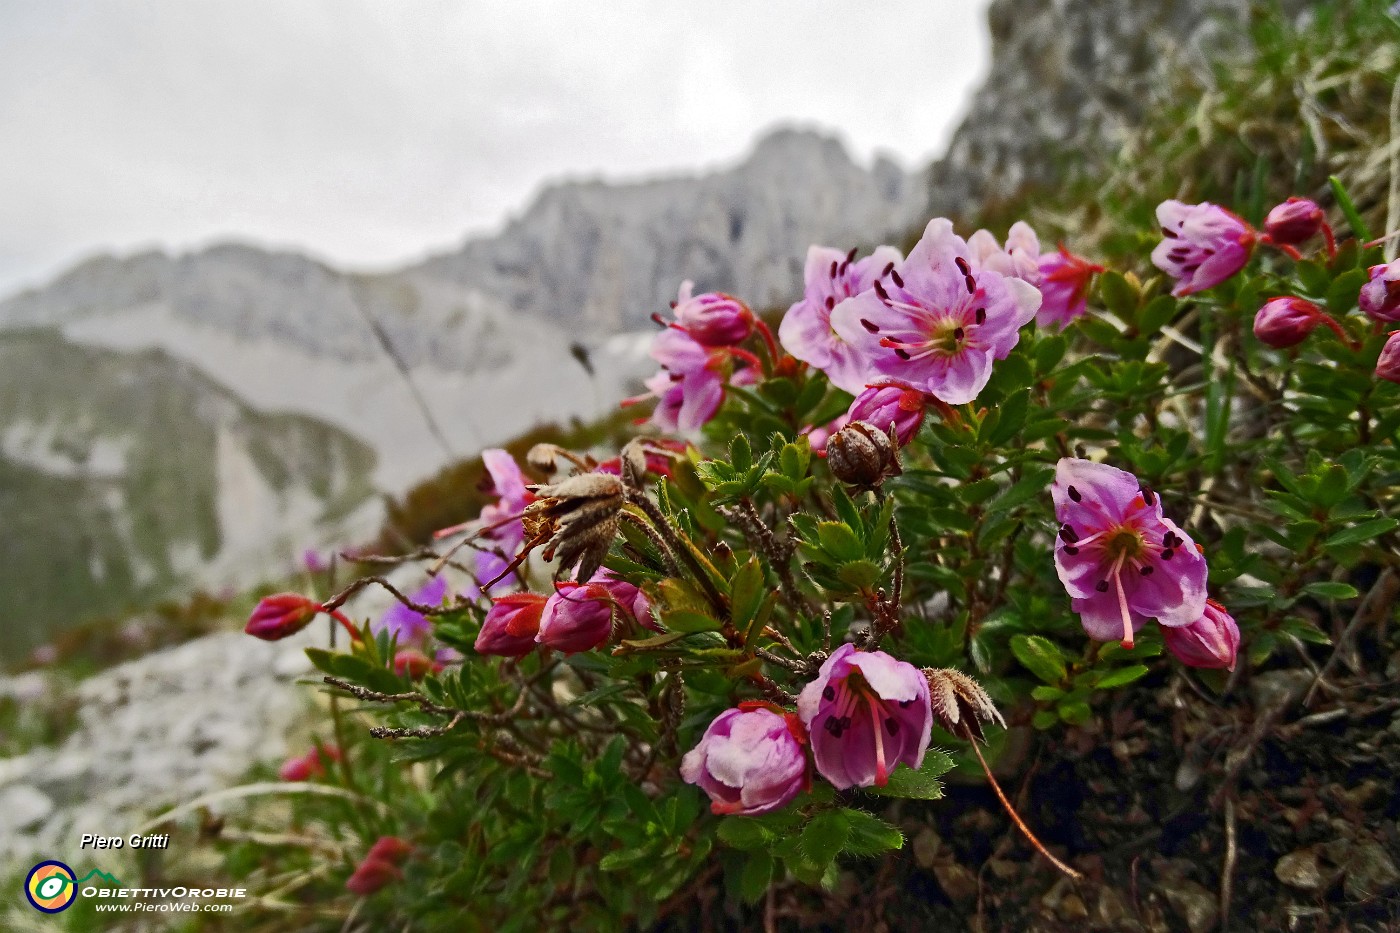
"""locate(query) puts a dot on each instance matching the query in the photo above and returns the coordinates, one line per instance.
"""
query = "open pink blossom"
(1380, 296)
(1388, 363)
(1210, 641)
(712, 319)
(886, 405)
(1020, 259)
(1204, 245)
(1064, 288)
(806, 332)
(511, 625)
(934, 323)
(689, 387)
(866, 712)
(578, 617)
(749, 761)
(1120, 559)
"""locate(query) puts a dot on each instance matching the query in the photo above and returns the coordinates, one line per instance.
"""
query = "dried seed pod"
(579, 517)
(862, 455)
(956, 698)
(634, 464)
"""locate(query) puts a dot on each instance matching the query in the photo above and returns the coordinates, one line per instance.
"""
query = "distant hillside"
(124, 477)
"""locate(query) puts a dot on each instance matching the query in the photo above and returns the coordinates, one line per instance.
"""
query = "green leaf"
(740, 453)
(1331, 590)
(871, 835)
(1117, 294)
(824, 837)
(1353, 216)
(688, 620)
(1121, 677)
(839, 541)
(757, 873)
(1365, 531)
(923, 784)
(1040, 656)
(744, 832)
(746, 592)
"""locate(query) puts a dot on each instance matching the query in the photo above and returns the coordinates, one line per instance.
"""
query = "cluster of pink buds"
(863, 715)
(380, 866)
(578, 617)
(1124, 562)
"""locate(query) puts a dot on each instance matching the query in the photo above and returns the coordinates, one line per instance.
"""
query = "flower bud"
(749, 761)
(310, 765)
(511, 625)
(1286, 322)
(713, 319)
(1380, 297)
(390, 849)
(1295, 221)
(890, 405)
(628, 598)
(1388, 364)
(282, 614)
(1210, 641)
(862, 455)
(578, 617)
(412, 663)
(371, 875)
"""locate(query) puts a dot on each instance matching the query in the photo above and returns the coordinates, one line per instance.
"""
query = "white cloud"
(368, 132)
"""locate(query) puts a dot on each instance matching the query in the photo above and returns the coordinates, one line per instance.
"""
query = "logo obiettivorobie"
(51, 886)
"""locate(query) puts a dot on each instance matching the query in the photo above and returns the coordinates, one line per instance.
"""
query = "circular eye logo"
(51, 887)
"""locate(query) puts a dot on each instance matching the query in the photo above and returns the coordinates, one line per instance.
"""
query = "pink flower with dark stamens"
(1286, 321)
(1020, 259)
(1210, 641)
(749, 761)
(1205, 244)
(1295, 221)
(712, 319)
(1388, 363)
(1064, 287)
(886, 405)
(578, 617)
(511, 625)
(806, 332)
(865, 713)
(1380, 296)
(1120, 559)
(936, 324)
(690, 387)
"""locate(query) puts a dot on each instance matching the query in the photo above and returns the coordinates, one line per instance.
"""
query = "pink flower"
(511, 625)
(885, 405)
(1120, 559)
(749, 761)
(1210, 641)
(689, 386)
(712, 319)
(409, 626)
(865, 713)
(1064, 287)
(578, 617)
(502, 531)
(806, 331)
(281, 615)
(1020, 259)
(1388, 363)
(935, 325)
(1295, 221)
(1380, 296)
(1205, 244)
(1287, 321)
(628, 598)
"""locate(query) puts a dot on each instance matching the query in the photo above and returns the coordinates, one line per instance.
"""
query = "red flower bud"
(1286, 322)
(412, 663)
(1388, 365)
(280, 615)
(1295, 221)
(371, 875)
(390, 849)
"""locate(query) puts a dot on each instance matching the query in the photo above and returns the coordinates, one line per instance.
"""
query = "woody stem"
(1011, 811)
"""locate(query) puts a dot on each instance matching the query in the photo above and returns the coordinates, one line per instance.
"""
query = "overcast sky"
(368, 132)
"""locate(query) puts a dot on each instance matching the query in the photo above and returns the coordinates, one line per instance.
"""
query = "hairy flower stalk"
(1121, 560)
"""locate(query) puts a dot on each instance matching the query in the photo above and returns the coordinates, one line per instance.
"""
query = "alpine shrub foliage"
(978, 487)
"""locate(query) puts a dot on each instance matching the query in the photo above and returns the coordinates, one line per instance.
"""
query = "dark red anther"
(871, 328)
(981, 315)
(963, 267)
(1074, 495)
(894, 275)
(880, 290)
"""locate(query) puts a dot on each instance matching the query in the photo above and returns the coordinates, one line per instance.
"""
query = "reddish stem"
(767, 335)
(1331, 240)
(1016, 817)
(349, 626)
